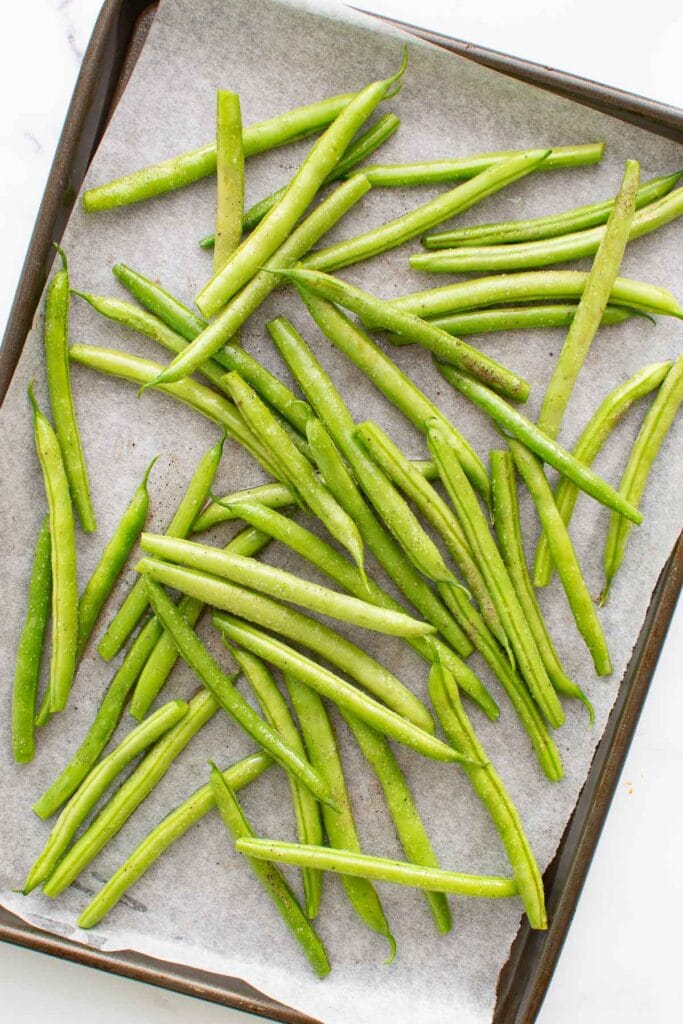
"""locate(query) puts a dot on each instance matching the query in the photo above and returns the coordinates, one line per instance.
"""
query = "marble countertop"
(621, 959)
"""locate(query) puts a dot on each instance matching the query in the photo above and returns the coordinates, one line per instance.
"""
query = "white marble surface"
(621, 959)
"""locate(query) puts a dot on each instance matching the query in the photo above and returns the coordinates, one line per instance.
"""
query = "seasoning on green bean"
(272, 880)
(112, 560)
(512, 421)
(509, 534)
(592, 438)
(434, 172)
(96, 784)
(409, 826)
(340, 826)
(61, 398)
(273, 230)
(158, 301)
(269, 387)
(564, 557)
(30, 649)
(549, 226)
(171, 828)
(656, 425)
(131, 794)
(135, 604)
(187, 168)
(64, 602)
(490, 789)
(475, 527)
(229, 176)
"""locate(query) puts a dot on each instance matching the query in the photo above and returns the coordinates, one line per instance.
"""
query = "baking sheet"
(171, 96)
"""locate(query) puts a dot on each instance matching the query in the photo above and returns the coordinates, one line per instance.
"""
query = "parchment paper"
(199, 905)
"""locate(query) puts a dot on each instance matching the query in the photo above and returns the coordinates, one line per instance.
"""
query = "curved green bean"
(96, 784)
(592, 438)
(564, 557)
(229, 176)
(30, 649)
(514, 318)
(179, 317)
(172, 827)
(656, 425)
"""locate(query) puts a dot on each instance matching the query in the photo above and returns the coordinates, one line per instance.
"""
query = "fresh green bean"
(130, 795)
(512, 421)
(656, 425)
(269, 387)
(473, 522)
(272, 880)
(30, 649)
(550, 226)
(63, 562)
(509, 534)
(209, 673)
(327, 684)
(340, 826)
(273, 230)
(380, 869)
(409, 826)
(157, 300)
(514, 318)
(135, 603)
(564, 557)
(163, 657)
(592, 438)
(112, 560)
(434, 172)
(182, 170)
(229, 176)
(96, 784)
(61, 397)
(490, 789)
(172, 827)
(594, 298)
(383, 314)
(426, 216)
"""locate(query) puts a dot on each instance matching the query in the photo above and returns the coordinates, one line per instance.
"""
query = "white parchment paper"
(199, 905)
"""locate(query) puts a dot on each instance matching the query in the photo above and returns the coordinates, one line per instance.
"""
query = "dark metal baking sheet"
(117, 40)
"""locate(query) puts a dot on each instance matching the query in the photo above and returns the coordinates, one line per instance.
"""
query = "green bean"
(550, 226)
(592, 438)
(161, 303)
(96, 784)
(564, 557)
(426, 216)
(546, 252)
(593, 300)
(182, 170)
(172, 827)
(62, 559)
(473, 522)
(327, 684)
(432, 172)
(533, 286)
(30, 649)
(163, 657)
(135, 603)
(269, 387)
(409, 826)
(656, 425)
(302, 189)
(282, 585)
(112, 560)
(306, 810)
(383, 314)
(61, 397)
(131, 794)
(298, 471)
(272, 880)
(340, 826)
(490, 789)
(509, 534)
(209, 673)
(513, 319)
(512, 421)
(380, 869)
(229, 176)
